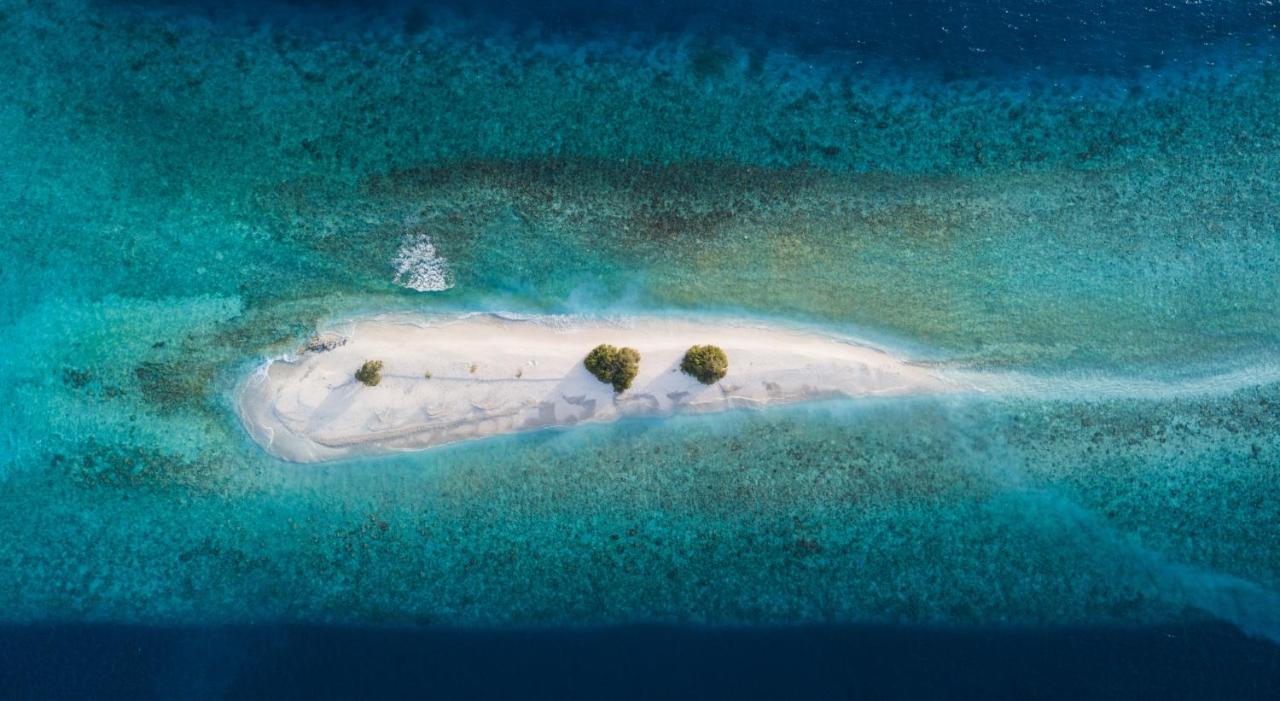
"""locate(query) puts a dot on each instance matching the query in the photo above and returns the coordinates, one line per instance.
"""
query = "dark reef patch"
(173, 384)
(134, 467)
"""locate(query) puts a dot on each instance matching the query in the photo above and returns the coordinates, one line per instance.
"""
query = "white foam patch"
(420, 267)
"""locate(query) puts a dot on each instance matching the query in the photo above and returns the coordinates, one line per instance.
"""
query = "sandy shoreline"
(492, 375)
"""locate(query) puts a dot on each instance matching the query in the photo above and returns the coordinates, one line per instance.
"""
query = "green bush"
(370, 373)
(627, 368)
(616, 366)
(599, 362)
(707, 364)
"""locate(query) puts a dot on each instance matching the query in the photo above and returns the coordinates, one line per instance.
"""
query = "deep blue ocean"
(1049, 190)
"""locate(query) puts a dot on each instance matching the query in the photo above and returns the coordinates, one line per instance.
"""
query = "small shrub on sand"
(370, 373)
(707, 364)
(599, 362)
(616, 366)
(627, 368)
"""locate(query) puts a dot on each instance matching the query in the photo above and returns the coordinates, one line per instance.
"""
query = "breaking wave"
(420, 267)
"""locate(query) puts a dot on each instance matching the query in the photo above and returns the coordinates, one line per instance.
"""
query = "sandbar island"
(427, 381)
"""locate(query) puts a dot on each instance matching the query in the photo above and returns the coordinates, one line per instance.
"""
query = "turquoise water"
(185, 195)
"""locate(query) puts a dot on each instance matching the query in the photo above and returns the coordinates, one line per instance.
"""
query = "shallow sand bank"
(491, 375)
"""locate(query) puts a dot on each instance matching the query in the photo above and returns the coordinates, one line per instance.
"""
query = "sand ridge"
(448, 379)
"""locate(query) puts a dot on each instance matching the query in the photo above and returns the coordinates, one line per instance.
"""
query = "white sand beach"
(452, 379)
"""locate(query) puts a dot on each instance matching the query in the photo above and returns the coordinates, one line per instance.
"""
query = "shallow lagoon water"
(191, 190)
